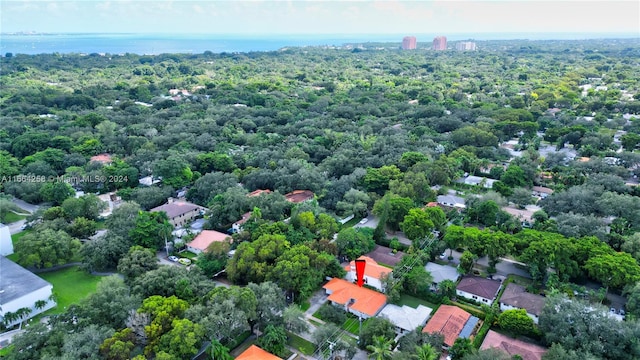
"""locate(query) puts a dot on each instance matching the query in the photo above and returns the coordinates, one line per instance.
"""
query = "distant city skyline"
(320, 17)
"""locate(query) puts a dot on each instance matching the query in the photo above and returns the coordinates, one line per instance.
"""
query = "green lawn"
(188, 255)
(11, 218)
(5, 351)
(413, 302)
(352, 325)
(351, 222)
(304, 346)
(305, 306)
(70, 285)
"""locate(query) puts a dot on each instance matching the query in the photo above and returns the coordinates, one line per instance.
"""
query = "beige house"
(180, 212)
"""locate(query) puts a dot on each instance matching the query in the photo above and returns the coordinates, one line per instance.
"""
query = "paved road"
(16, 227)
(503, 268)
(25, 205)
(372, 222)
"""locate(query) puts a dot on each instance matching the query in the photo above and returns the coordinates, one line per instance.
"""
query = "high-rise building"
(409, 43)
(466, 46)
(440, 43)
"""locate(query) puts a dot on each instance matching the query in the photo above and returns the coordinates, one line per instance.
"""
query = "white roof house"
(20, 288)
(477, 181)
(406, 318)
(6, 246)
(452, 201)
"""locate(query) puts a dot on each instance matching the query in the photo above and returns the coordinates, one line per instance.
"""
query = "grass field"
(414, 302)
(12, 217)
(70, 285)
(300, 344)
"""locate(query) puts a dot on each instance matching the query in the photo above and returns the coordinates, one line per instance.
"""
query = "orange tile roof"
(256, 353)
(512, 346)
(372, 269)
(368, 302)
(206, 238)
(258, 192)
(449, 321)
(244, 219)
(432, 204)
(102, 158)
(298, 196)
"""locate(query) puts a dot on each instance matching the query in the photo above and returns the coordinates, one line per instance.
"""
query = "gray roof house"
(440, 273)
(516, 297)
(478, 289)
(477, 181)
(20, 288)
(406, 318)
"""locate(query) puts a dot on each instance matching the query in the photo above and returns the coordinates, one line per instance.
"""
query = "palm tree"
(23, 313)
(219, 351)
(9, 317)
(381, 348)
(425, 352)
(40, 304)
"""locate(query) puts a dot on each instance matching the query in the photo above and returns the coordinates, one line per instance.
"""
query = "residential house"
(149, 180)
(452, 322)
(299, 196)
(255, 353)
(207, 237)
(478, 181)
(373, 273)
(180, 212)
(451, 201)
(237, 226)
(104, 159)
(258, 192)
(541, 191)
(516, 297)
(20, 288)
(406, 318)
(512, 347)
(384, 255)
(112, 200)
(359, 301)
(478, 289)
(439, 273)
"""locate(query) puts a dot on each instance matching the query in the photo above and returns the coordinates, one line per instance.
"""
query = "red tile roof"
(258, 192)
(256, 353)
(372, 269)
(245, 218)
(368, 302)
(449, 321)
(298, 196)
(102, 158)
(512, 346)
(206, 238)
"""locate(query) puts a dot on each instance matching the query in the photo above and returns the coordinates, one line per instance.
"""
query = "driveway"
(16, 227)
(372, 222)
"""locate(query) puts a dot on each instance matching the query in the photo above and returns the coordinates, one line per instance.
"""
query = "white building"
(6, 246)
(373, 273)
(478, 181)
(406, 318)
(466, 46)
(451, 201)
(20, 288)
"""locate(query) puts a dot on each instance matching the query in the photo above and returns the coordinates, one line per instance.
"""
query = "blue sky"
(320, 17)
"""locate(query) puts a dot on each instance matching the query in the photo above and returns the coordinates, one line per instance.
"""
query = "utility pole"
(331, 345)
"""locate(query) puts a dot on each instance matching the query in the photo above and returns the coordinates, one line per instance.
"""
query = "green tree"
(46, 248)
(217, 351)
(353, 243)
(56, 192)
(119, 346)
(467, 259)
(447, 288)
(110, 304)
(393, 209)
(380, 348)
(214, 259)
(417, 224)
(461, 348)
(373, 328)
(183, 340)
(377, 179)
(613, 270)
(274, 340)
(517, 322)
(425, 352)
(138, 261)
(151, 229)
(174, 171)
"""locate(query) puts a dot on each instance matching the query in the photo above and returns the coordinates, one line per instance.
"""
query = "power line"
(332, 340)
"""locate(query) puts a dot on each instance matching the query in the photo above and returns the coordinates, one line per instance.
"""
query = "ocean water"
(196, 44)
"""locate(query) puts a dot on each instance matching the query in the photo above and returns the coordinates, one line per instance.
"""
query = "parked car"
(184, 261)
(443, 256)
(363, 221)
(173, 258)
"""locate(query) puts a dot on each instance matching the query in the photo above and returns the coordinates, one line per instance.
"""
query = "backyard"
(70, 285)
